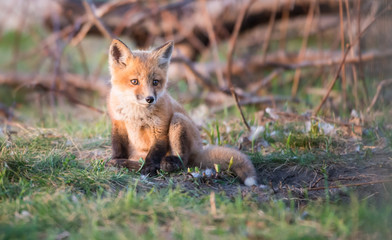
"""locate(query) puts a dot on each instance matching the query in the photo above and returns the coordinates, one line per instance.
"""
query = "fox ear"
(163, 53)
(118, 54)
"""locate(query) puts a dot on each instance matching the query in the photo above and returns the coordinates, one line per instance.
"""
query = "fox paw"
(124, 163)
(150, 169)
(118, 162)
(171, 164)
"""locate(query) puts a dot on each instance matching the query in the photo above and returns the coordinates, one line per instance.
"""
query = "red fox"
(148, 123)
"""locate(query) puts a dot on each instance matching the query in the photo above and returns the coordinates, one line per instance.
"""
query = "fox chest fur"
(142, 126)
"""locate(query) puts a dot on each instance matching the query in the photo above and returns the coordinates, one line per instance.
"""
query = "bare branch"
(203, 80)
(213, 42)
(232, 44)
(380, 86)
(344, 59)
(90, 10)
(308, 24)
(68, 81)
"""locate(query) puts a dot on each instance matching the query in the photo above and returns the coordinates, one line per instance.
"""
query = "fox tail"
(241, 164)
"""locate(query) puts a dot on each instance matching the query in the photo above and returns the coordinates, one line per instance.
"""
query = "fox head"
(138, 76)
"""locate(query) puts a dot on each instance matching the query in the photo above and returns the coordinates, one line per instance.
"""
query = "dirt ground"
(367, 177)
(349, 173)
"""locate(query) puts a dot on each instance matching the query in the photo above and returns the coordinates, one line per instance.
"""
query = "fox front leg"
(121, 148)
(154, 157)
(180, 144)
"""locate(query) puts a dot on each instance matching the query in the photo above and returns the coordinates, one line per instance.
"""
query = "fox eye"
(155, 82)
(135, 81)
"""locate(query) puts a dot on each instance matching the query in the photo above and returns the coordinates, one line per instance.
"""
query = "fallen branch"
(289, 61)
(144, 24)
(69, 81)
(70, 97)
(46, 85)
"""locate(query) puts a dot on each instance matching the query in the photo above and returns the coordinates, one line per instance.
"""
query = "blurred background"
(324, 57)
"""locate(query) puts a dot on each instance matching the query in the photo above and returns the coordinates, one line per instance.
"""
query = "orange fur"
(148, 123)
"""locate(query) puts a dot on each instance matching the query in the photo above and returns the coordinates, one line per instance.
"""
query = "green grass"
(50, 188)
(45, 192)
(27, 167)
(60, 207)
(291, 157)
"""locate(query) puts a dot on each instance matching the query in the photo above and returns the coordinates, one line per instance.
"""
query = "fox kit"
(148, 123)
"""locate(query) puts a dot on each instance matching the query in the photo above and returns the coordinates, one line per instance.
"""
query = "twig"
(360, 65)
(351, 185)
(203, 80)
(97, 72)
(16, 123)
(185, 33)
(57, 54)
(18, 35)
(315, 183)
(380, 86)
(268, 100)
(344, 58)
(213, 42)
(90, 10)
(353, 67)
(70, 98)
(308, 24)
(101, 11)
(267, 38)
(206, 82)
(81, 34)
(255, 87)
(50, 40)
(118, 30)
(83, 60)
(344, 81)
(284, 25)
(66, 31)
(232, 43)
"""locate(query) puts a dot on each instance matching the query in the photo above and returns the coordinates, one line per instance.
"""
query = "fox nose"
(150, 99)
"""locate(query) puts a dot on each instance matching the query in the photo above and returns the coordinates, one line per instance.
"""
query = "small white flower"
(256, 132)
(208, 172)
(196, 175)
(272, 113)
(143, 177)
